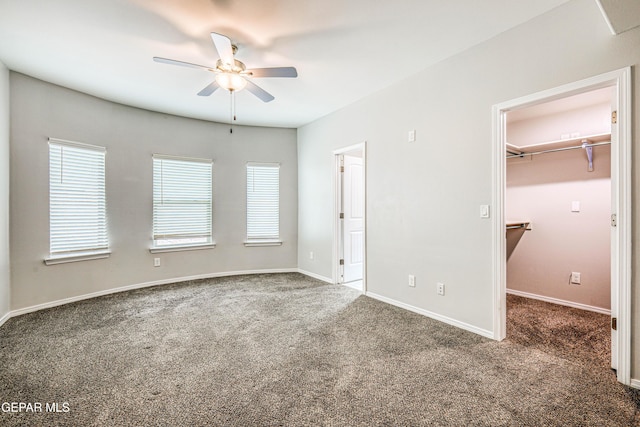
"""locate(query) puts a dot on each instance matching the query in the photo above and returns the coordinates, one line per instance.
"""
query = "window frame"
(272, 240)
(102, 229)
(185, 246)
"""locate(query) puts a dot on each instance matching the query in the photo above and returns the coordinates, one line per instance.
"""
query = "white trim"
(83, 256)
(69, 300)
(255, 243)
(560, 301)
(354, 147)
(356, 284)
(188, 159)
(162, 249)
(264, 164)
(606, 17)
(432, 315)
(316, 276)
(634, 383)
(621, 166)
(77, 144)
(362, 146)
(4, 318)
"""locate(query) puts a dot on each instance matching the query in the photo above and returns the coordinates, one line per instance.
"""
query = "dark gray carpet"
(286, 350)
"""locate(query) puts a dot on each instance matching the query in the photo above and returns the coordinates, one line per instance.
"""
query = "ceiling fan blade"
(273, 72)
(181, 63)
(224, 48)
(258, 91)
(209, 89)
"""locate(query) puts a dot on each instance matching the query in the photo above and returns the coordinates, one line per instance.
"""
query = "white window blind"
(263, 201)
(77, 200)
(182, 201)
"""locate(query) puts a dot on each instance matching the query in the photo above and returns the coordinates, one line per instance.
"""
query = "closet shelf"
(560, 143)
(514, 225)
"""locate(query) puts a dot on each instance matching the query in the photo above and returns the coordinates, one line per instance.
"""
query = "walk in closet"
(558, 201)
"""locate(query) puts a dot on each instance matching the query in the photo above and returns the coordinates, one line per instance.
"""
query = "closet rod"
(558, 149)
(513, 227)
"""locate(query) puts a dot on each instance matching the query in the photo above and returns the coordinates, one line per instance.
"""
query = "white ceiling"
(343, 49)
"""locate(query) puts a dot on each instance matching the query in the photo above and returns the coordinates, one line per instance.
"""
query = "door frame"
(620, 80)
(337, 225)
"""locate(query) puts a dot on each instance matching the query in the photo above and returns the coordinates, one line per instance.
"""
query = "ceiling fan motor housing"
(238, 66)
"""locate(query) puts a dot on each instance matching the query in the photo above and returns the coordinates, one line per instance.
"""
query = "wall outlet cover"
(575, 278)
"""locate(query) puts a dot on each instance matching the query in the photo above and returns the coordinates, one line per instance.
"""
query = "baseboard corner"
(315, 276)
(559, 301)
(448, 320)
(634, 383)
(5, 317)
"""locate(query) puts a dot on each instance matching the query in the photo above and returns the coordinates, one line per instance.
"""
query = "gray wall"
(423, 198)
(4, 192)
(40, 110)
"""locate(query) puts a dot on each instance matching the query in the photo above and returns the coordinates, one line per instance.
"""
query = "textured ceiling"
(343, 49)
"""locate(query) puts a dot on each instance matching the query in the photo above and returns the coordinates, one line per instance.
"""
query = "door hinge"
(342, 169)
(614, 117)
(341, 215)
(614, 220)
(614, 323)
(341, 262)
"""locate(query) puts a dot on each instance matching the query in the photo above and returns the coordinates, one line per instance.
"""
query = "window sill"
(83, 256)
(263, 243)
(161, 249)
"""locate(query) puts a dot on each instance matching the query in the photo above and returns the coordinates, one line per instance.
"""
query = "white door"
(353, 225)
(614, 233)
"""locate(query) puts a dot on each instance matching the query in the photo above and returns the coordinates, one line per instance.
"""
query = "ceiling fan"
(231, 74)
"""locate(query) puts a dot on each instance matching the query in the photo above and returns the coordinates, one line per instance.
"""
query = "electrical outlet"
(440, 289)
(156, 262)
(311, 255)
(412, 280)
(575, 278)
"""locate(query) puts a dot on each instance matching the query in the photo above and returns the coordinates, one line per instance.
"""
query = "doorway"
(620, 82)
(558, 209)
(350, 210)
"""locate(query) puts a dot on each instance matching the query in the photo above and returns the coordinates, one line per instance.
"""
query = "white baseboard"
(435, 316)
(559, 301)
(4, 318)
(357, 285)
(315, 276)
(56, 303)
(634, 383)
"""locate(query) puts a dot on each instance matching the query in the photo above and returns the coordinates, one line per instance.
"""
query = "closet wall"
(542, 189)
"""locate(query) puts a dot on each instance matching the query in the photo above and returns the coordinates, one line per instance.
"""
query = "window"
(263, 204)
(77, 202)
(182, 203)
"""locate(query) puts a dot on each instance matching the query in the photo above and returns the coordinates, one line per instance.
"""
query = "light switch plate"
(412, 135)
(575, 206)
(484, 211)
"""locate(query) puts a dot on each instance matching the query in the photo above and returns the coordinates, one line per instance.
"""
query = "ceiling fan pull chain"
(231, 115)
(233, 107)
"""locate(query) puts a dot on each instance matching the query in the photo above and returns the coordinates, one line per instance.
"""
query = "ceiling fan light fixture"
(233, 82)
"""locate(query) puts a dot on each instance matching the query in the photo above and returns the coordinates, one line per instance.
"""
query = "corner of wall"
(4, 195)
